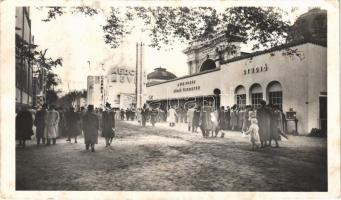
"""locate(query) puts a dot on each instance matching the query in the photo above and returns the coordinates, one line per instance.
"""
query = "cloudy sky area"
(78, 39)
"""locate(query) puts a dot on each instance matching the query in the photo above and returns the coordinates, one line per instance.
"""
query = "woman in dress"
(172, 115)
(51, 125)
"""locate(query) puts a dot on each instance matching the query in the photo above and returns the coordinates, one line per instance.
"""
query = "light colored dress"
(190, 116)
(214, 119)
(171, 115)
(138, 115)
(51, 124)
(254, 135)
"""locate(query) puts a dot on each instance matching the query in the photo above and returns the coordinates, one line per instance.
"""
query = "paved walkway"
(171, 159)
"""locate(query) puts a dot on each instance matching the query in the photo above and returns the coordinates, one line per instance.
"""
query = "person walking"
(222, 118)
(51, 125)
(205, 120)
(73, 124)
(90, 128)
(274, 125)
(62, 132)
(172, 115)
(253, 132)
(108, 125)
(122, 114)
(133, 114)
(190, 117)
(246, 122)
(234, 118)
(39, 122)
(227, 117)
(196, 118)
(264, 117)
(153, 116)
(139, 116)
(215, 123)
(144, 115)
(23, 127)
(241, 115)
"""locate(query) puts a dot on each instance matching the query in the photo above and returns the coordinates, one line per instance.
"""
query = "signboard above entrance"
(254, 70)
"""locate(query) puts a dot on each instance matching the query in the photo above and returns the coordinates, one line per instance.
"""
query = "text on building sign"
(256, 69)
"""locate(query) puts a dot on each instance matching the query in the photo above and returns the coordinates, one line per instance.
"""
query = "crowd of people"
(263, 124)
(52, 123)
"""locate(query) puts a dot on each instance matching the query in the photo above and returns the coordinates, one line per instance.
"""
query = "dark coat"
(264, 117)
(90, 128)
(108, 124)
(205, 118)
(23, 125)
(39, 122)
(274, 125)
(153, 115)
(196, 118)
(222, 119)
(73, 123)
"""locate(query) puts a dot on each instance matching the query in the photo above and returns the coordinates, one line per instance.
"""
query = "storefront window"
(275, 94)
(256, 97)
(240, 96)
(241, 100)
(276, 98)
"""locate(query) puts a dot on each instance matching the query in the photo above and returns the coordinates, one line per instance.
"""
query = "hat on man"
(262, 102)
(90, 107)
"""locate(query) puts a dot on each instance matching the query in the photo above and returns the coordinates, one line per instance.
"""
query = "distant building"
(123, 87)
(120, 85)
(96, 94)
(159, 75)
(23, 65)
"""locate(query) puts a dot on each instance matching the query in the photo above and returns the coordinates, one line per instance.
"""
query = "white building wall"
(206, 81)
(94, 94)
(302, 79)
(317, 72)
(118, 84)
(289, 71)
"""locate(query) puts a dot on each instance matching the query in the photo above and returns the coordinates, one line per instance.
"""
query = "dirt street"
(162, 159)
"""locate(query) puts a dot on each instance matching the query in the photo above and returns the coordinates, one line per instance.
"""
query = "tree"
(37, 57)
(165, 25)
(69, 99)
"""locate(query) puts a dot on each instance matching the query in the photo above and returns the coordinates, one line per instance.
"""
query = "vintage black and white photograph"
(191, 98)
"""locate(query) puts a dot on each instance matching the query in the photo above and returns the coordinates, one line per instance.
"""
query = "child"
(215, 125)
(253, 131)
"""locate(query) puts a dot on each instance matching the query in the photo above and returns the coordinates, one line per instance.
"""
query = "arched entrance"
(275, 94)
(240, 96)
(256, 94)
(207, 65)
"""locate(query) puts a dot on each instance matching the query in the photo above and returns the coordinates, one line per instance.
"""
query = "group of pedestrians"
(264, 124)
(46, 121)
(51, 123)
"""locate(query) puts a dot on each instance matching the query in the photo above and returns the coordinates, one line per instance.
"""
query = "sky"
(79, 39)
